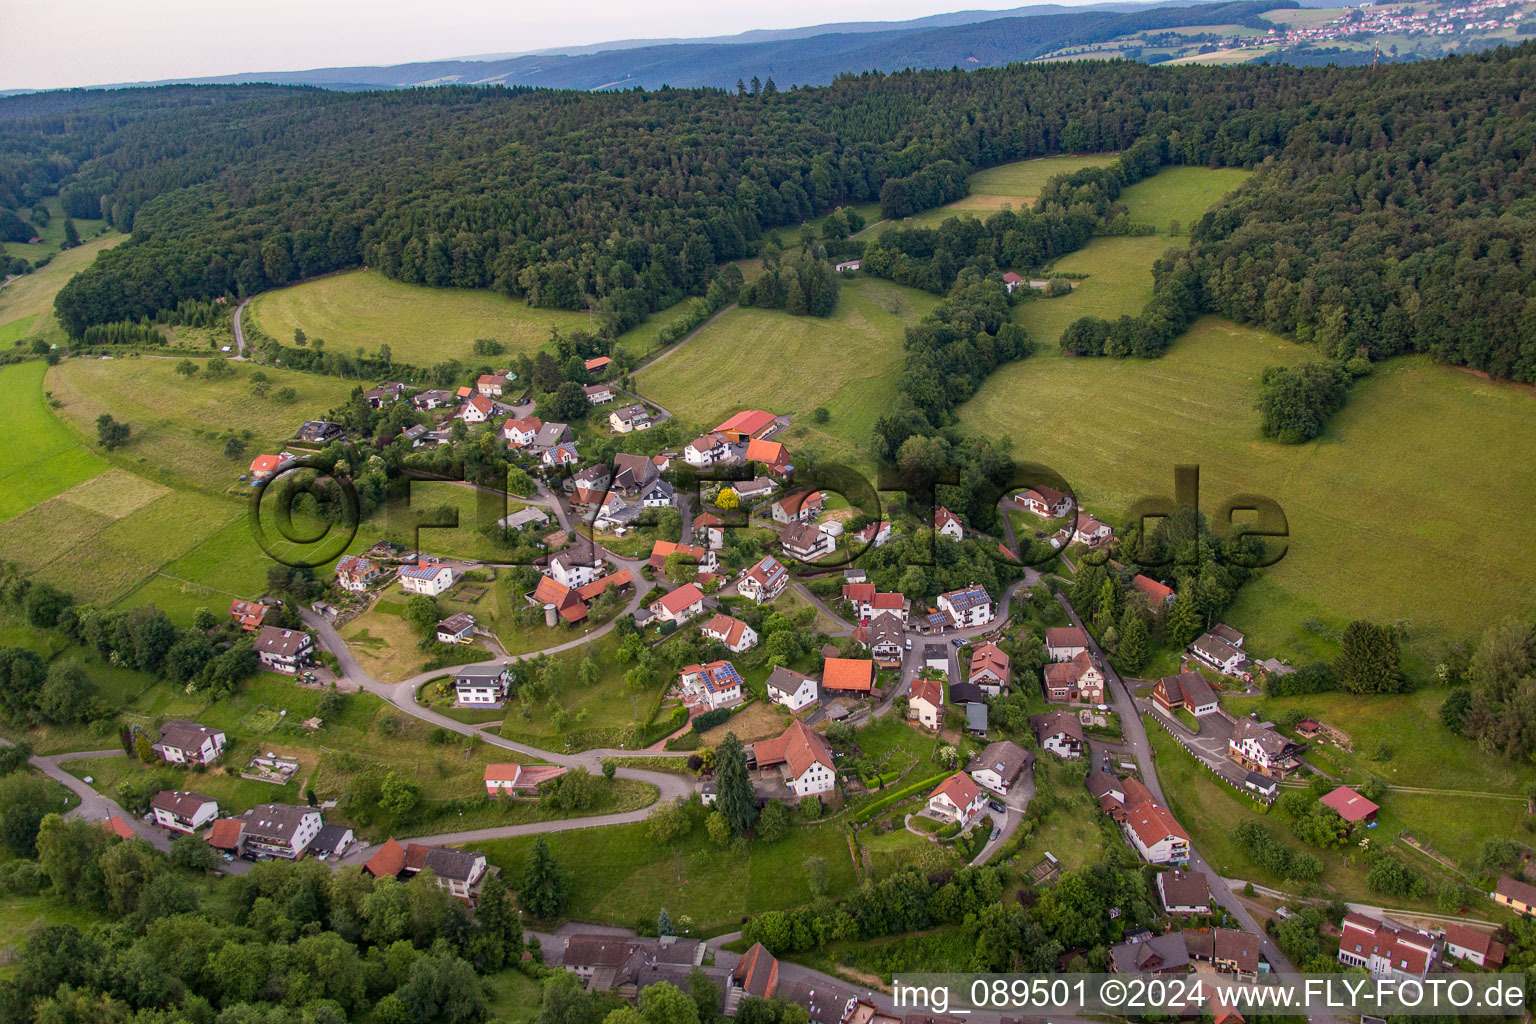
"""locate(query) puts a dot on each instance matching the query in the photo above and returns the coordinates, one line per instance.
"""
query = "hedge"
(870, 810)
(709, 719)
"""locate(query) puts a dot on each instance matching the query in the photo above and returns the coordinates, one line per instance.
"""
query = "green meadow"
(31, 295)
(1180, 194)
(1118, 282)
(46, 456)
(1016, 185)
(363, 309)
(51, 233)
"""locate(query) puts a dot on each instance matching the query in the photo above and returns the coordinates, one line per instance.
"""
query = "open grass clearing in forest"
(32, 294)
(180, 424)
(45, 456)
(1017, 185)
(619, 875)
(421, 325)
(1365, 541)
(1118, 282)
(752, 358)
(1180, 194)
(52, 232)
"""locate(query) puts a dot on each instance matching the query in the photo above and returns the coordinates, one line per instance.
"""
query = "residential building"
(1219, 654)
(798, 507)
(1000, 766)
(874, 534)
(660, 494)
(1046, 502)
(491, 385)
(885, 638)
(434, 399)
(319, 432)
(1467, 943)
(477, 410)
(530, 516)
(969, 607)
(925, 704)
(1187, 690)
(848, 266)
(703, 452)
(709, 530)
(1385, 948)
(704, 558)
(849, 675)
(1516, 894)
(1228, 950)
(1260, 786)
(791, 689)
(764, 582)
(598, 394)
(629, 418)
(936, 656)
(1259, 748)
(384, 394)
(429, 578)
(1155, 592)
(227, 835)
(771, 456)
(1011, 281)
(1063, 643)
(458, 871)
(736, 635)
(1226, 633)
(265, 467)
(562, 454)
(574, 568)
(680, 605)
(1154, 833)
(1155, 954)
(283, 650)
(717, 684)
(480, 685)
(183, 811)
(804, 541)
(249, 614)
(961, 694)
(806, 759)
(598, 364)
(281, 830)
(1351, 806)
(1059, 733)
(990, 669)
(331, 841)
(958, 798)
(551, 435)
(416, 433)
(520, 433)
(355, 574)
(189, 743)
(1184, 892)
(511, 779)
(1079, 680)
(946, 524)
(756, 973)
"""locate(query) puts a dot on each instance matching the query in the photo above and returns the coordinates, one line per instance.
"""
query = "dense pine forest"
(1392, 211)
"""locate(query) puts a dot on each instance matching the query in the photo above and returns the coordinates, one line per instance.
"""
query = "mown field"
(1373, 530)
(31, 295)
(421, 325)
(46, 457)
(1118, 283)
(1016, 185)
(1180, 194)
(180, 424)
(767, 359)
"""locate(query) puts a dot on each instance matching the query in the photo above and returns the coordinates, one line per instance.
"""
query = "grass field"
(1179, 193)
(421, 325)
(598, 713)
(52, 233)
(46, 457)
(1119, 283)
(618, 875)
(1015, 185)
(31, 295)
(180, 424)
(848, 363)
(1356, 550)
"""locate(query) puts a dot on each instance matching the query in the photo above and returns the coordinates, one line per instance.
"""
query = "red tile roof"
(1152, 823)
(118, 827)
(859, 593)
(888, 602)
(1350, 805)
(848, 674)
(387, 861)
(225, 833)
(681, 599)
(771, 452)
(960, 788)
(1153, 589)
(729, 629)
(930, 690)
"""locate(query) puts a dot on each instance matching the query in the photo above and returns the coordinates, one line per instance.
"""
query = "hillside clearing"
(46, 457)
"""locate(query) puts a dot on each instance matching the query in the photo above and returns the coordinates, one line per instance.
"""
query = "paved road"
(239, 330)
(691, 335)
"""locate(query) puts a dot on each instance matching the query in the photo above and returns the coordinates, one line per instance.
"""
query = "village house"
(426, 401)
(1228, 950)
(280, 830)
(478, 409)
(957, 798)
(736, 635)
(1011, 281)
(1187, 690)
(709, 530)
(182, 811)
(1155, 835)
(1088, 530)
(990, 670)
(849, 675)
(1516, 894)
(885, 639)
(969, 607)
(936, 657)
(573, 604)
(1467, 943)
(703, 452)
(717, 684)
(1184, 892)
(680, 605)
(551, 435)
(319, 432)
(1063, 643)
(598, 394)
(457, 628)
(790, 688)
(562, 454)
(757, 488)
(189, 743)
(1259, 748)
(416, 433)
(945, 524)
(1385, 948)
(1079, 681)
(1219, 654)
(480, 685)
(598, 364)
(925, 704)
(491, 385)
(771, 456)
(227, 835)
(804, 541)
(460, 872)
(629, 418)
(512, 779)
(1154, 954)
(806, 759)
(764, 581)
(425, 577)
(331, 841)
(1156, 593)
(1351, 806)
(1059, 733)
(284, 650)
(355, 574)
(615, 512)
(874, 534)
(248, 614)
(867, 602)
(798, 507)
(756, 973)
(574, 568)
(1046, 502)
(384, 394)
(661, 550)
(1000, 766)
(847, 266)
(520, 433)
(265, 467)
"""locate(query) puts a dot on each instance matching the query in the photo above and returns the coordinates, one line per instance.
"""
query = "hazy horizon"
(160, 39)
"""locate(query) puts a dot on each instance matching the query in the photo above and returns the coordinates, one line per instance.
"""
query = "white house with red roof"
(958, 798)
(875, 534)
(799, 507)
(520, 433)
(1467, 943)
(803, 756)
(1063, 643)
(1011, 281)
(1155, 835)
(763, 582)
(1045, 502)
(478, 409)
(679, 605)
(265, 467)
(925, 704)
(705, 451)
(945, 524)
(429, 578)
(969, 607)
(490, 385)
(991, 669)
(709, 530)
(1088, 530)
(1385, 948)
(736, 635)
(717, 684)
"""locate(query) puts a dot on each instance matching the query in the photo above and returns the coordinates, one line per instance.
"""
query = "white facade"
(818, 778)
(1062, 745)
(803, 695)
(571, 572)
(202, 815)
(430, 581)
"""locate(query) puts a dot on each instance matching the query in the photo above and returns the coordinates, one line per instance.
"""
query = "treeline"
(122, 332)
(1494, 699)
(942, 181)
(806, 287)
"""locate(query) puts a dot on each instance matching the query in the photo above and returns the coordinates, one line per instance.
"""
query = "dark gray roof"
(330, 838)
(275, 821)
(455, 865)
(185, 735)
(1005, 758)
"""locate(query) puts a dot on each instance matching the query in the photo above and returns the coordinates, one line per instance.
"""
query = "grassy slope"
(1363, 542)
(1015, 184)
(45, 456)
(1119, 283)
(32, 294)
(848, 363)
(179, 424)
(1180, 193)
(420, 325)
(52, 233)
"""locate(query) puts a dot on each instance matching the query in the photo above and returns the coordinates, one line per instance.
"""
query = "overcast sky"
(56, 43)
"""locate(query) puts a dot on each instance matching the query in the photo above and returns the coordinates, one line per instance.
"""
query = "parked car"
(999, 808)
(995, 833)
(909, 643)
(958, 641)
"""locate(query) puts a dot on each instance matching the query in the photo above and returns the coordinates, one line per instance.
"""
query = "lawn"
(234, 794)
(31, 295)
(46, 457)
(848, 363)
(1119, 283)
(1354, 552)
(515, 998)
(1180, 194)
(620, 876)
(1016, 184)
(363, 309)
(599, 714)
(180, 425)
(19, 915)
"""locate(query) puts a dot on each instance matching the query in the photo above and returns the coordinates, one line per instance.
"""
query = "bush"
(709, 719)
